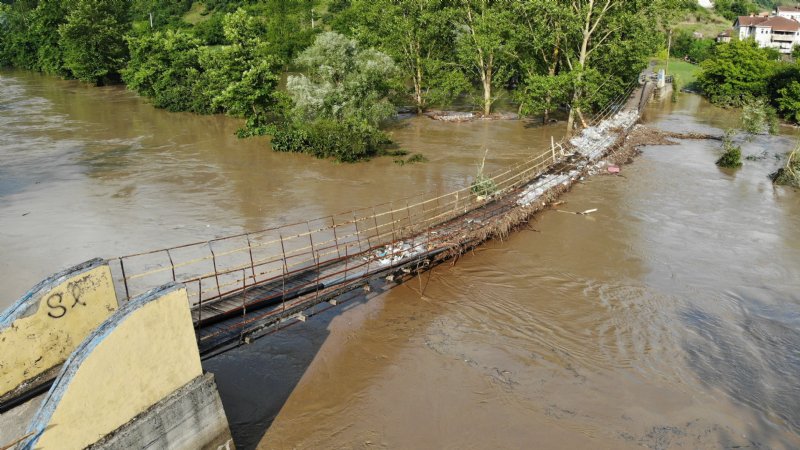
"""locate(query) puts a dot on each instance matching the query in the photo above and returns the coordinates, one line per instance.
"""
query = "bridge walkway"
(243, 286)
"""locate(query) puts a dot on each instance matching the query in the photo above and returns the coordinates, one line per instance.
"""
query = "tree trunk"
(587, 34)
(487, 98)
(418, 86)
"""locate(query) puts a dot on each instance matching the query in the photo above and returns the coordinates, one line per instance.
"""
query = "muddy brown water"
(669, 318)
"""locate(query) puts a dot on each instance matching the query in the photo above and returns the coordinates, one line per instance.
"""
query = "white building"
(776, 32)
(789, 12)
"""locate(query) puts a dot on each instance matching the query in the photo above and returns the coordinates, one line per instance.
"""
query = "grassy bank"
(686, 72)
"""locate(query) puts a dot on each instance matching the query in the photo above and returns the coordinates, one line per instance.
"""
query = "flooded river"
(669, 318)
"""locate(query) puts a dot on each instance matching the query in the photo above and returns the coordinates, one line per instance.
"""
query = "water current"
(668, 318)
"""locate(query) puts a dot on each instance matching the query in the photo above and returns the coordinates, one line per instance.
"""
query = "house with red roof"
(779, 32)
(789, 12)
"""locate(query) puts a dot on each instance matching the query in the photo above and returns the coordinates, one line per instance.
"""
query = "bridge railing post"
(311, 241)
(124, 279)
(394, 231)
(336, 238)
(252, 260)
(358, 233)
(244, 304)
(172, 265)
(284, 270)
(216, 271)
(199, 301)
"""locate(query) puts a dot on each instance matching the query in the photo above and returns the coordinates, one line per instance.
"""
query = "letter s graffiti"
(59, 310)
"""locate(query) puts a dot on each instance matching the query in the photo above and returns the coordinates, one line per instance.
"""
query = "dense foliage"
(339, 102)
(685, 45)
(227, 56)
(730, 9)
(741, 74)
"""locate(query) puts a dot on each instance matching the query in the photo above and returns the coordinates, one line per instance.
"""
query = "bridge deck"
(242, 285)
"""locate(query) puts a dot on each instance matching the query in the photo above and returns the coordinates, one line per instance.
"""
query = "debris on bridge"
(244, 286)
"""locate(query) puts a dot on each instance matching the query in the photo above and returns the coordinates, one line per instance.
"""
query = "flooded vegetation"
(668, 318)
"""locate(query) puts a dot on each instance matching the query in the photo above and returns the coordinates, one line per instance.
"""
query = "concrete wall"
(42, 329)
(137, 358)
(191, 418)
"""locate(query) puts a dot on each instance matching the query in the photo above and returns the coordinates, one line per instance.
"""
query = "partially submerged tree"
(178, 73)
(342, 81)
(165, 67)
(789, 101)
(732, 154)
(419, 36)
(736, 71)
(485, 44)
(758, 117)
(340, 102)
(92, 39)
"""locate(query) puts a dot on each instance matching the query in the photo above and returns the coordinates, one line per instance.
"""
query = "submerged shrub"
(789, 175)
(325, 138)
(758, 117)
(732, 156)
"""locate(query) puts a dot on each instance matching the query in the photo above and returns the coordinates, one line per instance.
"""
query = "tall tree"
(485, 43)
(92, 39)
(342, 82)
(419, 35)
(544, 27)
(609, 41)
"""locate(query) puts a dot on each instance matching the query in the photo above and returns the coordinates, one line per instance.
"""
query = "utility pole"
(669, 49)
(312, 18)
(151, 20)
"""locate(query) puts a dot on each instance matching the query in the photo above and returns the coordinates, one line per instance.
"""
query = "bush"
(732, 158)
(789, 175)
(325, 138)
(789, 101)
(758, 117)
(483, 186)
(737, 71)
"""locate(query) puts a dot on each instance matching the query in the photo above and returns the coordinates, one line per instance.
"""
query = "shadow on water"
(256, 380)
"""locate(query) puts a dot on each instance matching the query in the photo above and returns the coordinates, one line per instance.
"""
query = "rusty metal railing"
(287, 262)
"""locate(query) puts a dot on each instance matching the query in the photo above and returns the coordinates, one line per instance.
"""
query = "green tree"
(736, 71)
(342, 82)
(540, 54)
(609, 42)
(165, 66)
(30, 36)
(92, 39)
(418, 34)
(339, 102)
(163, 13)
(789, 101)
(290, 25)
(485, 44)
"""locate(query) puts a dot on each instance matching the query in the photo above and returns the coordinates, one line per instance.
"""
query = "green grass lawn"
(686, 72)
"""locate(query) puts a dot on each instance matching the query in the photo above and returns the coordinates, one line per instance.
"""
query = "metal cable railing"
(336, 248)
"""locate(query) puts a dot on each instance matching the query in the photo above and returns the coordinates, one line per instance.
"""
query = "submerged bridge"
(245, 286)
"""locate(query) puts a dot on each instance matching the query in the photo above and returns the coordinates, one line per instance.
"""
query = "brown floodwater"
(670, 318)
(87, 172)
